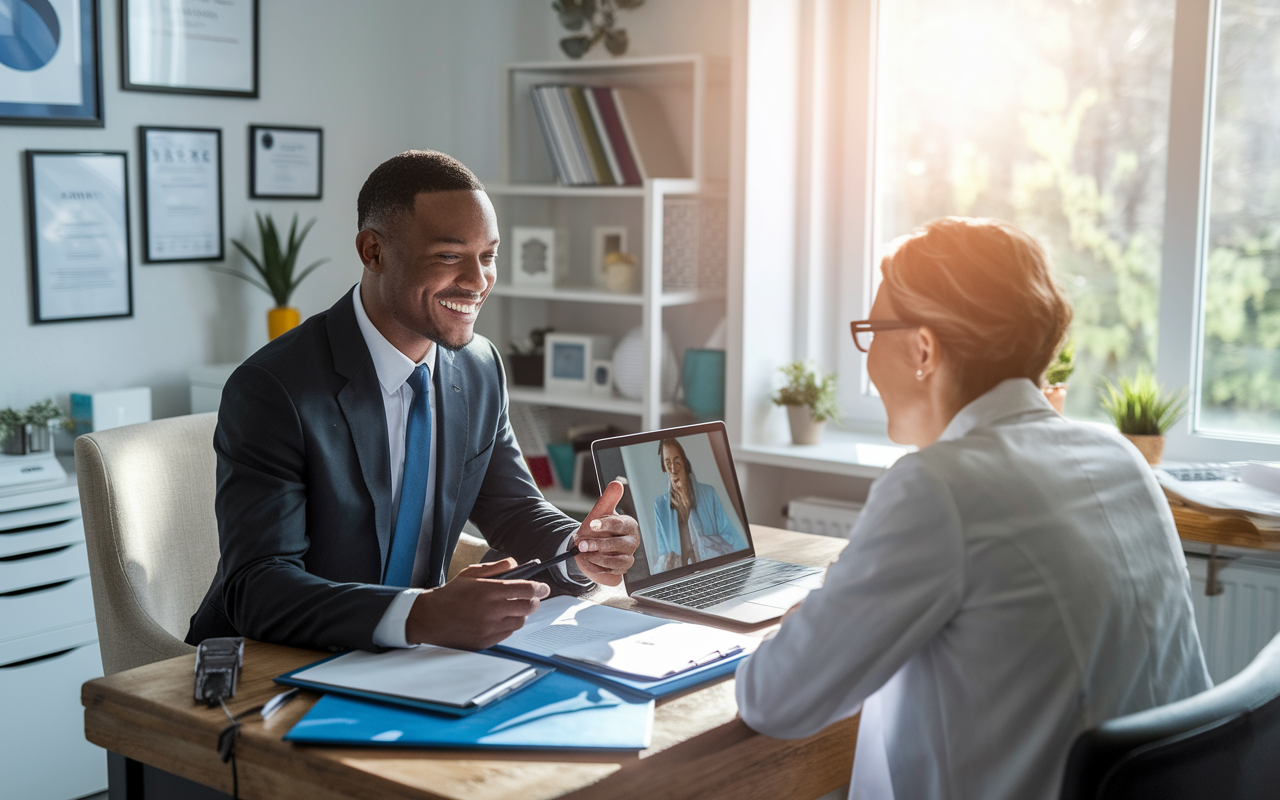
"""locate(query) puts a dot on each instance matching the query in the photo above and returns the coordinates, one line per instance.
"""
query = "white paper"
(192, 44)
(184, 198)
(1226, 495)
(579, 629)
(433, 674)
(81, 235)
(1261, 474)
(661, 652)
(42, 77)
(286, 163)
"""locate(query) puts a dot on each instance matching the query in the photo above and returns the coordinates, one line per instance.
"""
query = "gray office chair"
(147, 497)
(1223, 743)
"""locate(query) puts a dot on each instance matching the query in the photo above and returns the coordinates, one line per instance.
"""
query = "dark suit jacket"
(304, 485)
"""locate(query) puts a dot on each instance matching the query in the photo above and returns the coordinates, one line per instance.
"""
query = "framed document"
(190, 46)
(285, 163)
(50, 63)
(78, 223)
(181, 194)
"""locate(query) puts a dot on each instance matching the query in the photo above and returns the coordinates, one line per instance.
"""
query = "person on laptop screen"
(690, 522)
(1016, 581)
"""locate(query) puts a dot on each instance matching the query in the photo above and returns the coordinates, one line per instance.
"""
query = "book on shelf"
(606, 136)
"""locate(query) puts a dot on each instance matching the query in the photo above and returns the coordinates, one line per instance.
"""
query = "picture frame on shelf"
(78, 228)
(602, 377)
(570, 358)
(218, 55)
(286, 162)
(605, 239)
(51, 70)
(181, 181)
(535, 259)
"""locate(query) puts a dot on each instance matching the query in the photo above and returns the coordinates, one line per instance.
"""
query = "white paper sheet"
(433, 674)
(661, 652)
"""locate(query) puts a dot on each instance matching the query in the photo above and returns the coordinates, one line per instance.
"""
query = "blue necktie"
(413, 486)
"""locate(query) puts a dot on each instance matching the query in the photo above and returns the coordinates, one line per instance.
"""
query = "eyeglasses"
(864, 330)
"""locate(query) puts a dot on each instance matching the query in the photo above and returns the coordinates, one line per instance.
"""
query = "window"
(1054, 116)
(1239, 389)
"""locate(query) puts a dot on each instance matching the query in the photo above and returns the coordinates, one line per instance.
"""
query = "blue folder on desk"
(557, 712)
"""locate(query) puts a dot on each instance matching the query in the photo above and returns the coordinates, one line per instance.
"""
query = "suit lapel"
(361, 403)
(453, 431)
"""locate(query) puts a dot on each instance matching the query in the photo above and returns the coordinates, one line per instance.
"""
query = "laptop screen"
(683, 491)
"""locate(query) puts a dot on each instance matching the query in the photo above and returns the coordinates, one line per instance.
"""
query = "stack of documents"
(558, 712)
(637, 653)
(433, 678)
(1248, 490)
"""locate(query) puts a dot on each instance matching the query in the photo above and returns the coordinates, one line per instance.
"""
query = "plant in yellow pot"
(276, 268)
(1143, 412)
(1055, 377)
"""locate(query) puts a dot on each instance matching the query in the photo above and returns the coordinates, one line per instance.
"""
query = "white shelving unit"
(694, 93)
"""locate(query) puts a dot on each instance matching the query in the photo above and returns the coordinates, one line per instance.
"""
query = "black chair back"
(1223, 743)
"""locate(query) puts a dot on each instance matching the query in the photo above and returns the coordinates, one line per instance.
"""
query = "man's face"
(435, 267)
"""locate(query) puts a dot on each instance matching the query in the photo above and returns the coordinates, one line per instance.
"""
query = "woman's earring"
(919, 374)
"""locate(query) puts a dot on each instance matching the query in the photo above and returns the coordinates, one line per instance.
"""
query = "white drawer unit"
(48, 645)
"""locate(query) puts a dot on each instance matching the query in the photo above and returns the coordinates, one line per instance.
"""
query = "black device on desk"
(218, 663)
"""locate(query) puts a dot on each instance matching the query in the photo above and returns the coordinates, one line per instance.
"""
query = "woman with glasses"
(1015, 582)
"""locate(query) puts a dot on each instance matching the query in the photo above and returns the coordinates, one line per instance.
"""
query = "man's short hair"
(391, 188)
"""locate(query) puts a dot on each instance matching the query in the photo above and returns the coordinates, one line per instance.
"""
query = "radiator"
(822, 516)
(1235, 625)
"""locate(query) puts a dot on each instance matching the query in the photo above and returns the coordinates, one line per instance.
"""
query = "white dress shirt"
(1004, 589)
(394, 368)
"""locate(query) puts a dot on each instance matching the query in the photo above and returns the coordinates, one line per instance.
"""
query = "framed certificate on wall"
(285, 163)
(181, 194)
(78, 224)
(190, 46)
(50, 63)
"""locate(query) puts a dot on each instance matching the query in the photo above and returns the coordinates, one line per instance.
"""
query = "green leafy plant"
(534, 345)
(40, 414)
(1063, 365)
(1141, 406)
(277, 265)
(598, 18)
(806, 386)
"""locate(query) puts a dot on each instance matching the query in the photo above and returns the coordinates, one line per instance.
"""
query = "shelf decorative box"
(694, 243)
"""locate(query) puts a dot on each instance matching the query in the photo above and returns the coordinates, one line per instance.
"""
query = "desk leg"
(132, 780)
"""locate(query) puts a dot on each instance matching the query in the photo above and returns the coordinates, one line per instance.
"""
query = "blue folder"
(557, 712)
(647, 690)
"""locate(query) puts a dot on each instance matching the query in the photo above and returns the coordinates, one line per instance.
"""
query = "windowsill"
(857, 454)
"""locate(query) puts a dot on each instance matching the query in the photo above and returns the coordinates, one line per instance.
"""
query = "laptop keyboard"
(748, 576)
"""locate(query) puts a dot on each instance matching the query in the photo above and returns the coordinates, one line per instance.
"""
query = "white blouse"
(1004, 589)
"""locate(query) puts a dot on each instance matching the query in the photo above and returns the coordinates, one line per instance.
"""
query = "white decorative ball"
(628, 366)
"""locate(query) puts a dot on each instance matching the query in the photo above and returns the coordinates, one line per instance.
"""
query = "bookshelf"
(693, 93)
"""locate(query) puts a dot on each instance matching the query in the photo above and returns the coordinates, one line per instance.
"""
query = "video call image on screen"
(677, 488)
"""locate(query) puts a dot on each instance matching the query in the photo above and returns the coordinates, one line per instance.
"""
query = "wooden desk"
(700, 747)
(1221, 529)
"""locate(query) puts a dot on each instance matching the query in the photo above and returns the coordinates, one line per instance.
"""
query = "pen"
(535, 566)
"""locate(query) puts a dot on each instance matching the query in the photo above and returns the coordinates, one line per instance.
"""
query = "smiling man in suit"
(352, 450)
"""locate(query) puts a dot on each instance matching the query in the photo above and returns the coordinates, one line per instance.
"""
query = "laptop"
(696, 551)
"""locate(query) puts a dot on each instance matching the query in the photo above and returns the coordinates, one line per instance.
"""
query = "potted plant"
(277, 270)
(1143, 412)
(30, 431)
(1055, 377)
(527, 358)
(810, 399)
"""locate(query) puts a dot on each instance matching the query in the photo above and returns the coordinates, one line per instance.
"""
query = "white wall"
(379, 77)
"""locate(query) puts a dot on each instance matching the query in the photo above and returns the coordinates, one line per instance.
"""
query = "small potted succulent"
(276, 268)
(527, 358)
(1056, 376)
(1143, 412)
(30, 431)
(810, 400)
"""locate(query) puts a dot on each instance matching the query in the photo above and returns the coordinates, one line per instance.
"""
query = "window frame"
(1183, 248)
